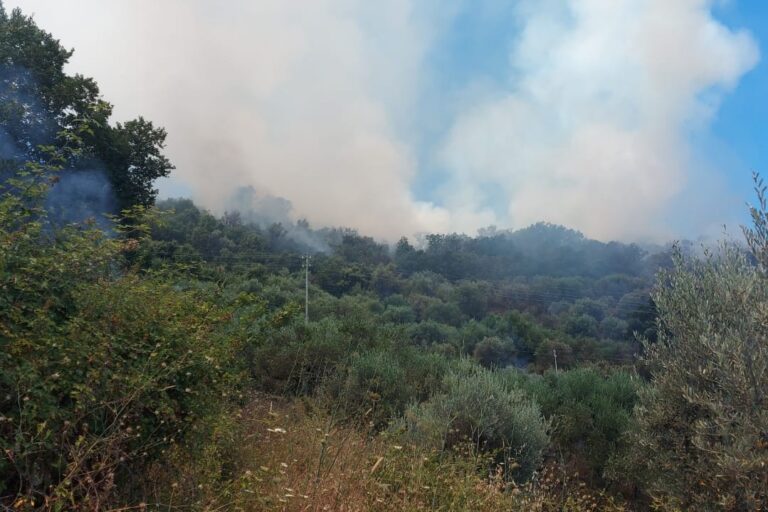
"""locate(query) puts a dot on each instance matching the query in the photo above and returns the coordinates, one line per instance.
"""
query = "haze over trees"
(163, 360)
(42, 109)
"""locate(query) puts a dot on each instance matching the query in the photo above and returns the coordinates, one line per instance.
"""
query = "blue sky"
(474, 51)
(470, 51)
(741, 126)
(626, 119)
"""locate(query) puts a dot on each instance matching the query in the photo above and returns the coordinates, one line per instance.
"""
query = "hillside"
(154, 356)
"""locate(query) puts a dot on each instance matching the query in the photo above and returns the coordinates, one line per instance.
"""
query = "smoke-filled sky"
(626, 119)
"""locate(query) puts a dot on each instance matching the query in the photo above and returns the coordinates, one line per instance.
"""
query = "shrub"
(99, 373)
(446, 313)
(494, 352)
(297, 357)
(399, 315)
(430, 332)
(379, 384)
(614, 328)
(372, 389)
(479, 406)
(590, 413)
(581, 325)
(545, 355)
(472, 333)
(704, 419)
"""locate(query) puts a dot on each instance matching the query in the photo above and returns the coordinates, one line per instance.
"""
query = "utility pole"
(306, 288)
(554, 353)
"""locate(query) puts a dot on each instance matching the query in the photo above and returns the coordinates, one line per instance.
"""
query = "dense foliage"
(704, 421)
(165, 355)
(481, 408)
(41, 106)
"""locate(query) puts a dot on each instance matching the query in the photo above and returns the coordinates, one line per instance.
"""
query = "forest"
(157, 356)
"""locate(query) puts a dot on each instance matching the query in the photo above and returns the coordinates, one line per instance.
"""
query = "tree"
(581, 325)
(132, 155)
(385, 280)
(704, 420)
(472, 298)
(545, 355)
(100, 367)
(494, 352)
(407, 258)
(41, 107)
(591, 412)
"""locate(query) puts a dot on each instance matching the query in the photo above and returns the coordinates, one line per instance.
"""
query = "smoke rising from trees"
(317, 102)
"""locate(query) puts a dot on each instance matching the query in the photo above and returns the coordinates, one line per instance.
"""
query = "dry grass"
(287, 456)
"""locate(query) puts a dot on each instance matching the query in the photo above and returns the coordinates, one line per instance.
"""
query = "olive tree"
(703, 423)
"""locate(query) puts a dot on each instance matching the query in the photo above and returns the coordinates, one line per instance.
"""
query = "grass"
(280, 455)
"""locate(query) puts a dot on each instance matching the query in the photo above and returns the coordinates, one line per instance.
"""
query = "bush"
(590, 413)
(430, 333)
(479, 406)
(99, 373)
(704, 419)
(472, 333)
(494, 352)
(297, 357)
(399, 315)
(545, 355)
(581, 325)
(445, 313)
(614, 328)
(380, 384)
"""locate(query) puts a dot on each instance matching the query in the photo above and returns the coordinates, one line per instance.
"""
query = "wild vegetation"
(162, 360)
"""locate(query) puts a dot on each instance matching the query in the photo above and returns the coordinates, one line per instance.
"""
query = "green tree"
(591, 413)
(40, 107)
(472, 298)
(100, 369)
(581, 325)
(480, 407)
(494, 352)
(704, 419)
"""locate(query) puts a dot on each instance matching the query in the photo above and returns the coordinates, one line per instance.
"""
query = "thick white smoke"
(592, 133)
(313, 101)
(294, 98)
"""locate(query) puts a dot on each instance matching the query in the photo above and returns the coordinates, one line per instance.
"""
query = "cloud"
(320, 102)
(592, 131)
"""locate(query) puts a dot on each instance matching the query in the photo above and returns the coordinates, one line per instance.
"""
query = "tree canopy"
(41, 106)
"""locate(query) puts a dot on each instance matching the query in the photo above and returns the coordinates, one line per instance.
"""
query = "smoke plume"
(318, 102)
(593, 131)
